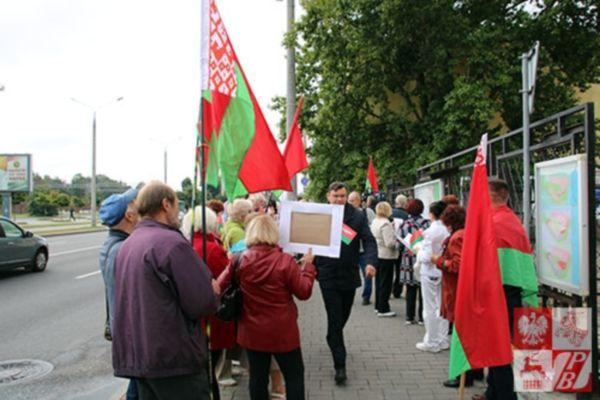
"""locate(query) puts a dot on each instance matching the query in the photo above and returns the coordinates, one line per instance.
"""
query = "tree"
(407, 82)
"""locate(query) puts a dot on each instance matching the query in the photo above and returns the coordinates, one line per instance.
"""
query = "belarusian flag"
(239, 142)
(481, 336)
(416, 239)
(515, 255)
(294, 153)
(371, 184)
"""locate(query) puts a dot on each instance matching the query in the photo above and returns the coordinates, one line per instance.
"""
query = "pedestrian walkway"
(383, 362)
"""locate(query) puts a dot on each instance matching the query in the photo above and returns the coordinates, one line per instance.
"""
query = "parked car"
(21, 248)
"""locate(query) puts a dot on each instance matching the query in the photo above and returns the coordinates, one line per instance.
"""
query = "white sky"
(145, 50)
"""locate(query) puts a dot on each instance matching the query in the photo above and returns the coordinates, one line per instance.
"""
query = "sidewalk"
(383, 362)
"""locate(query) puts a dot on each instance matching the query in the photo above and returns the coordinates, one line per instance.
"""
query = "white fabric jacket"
(383, 231)
(433, 238)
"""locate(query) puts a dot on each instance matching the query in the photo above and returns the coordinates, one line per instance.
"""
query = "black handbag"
(230, 308)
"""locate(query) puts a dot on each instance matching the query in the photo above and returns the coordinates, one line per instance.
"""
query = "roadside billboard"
(16, 173)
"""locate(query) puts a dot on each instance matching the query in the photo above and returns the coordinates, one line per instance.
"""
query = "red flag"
(481, 337)
(294, 153)
(372, 178)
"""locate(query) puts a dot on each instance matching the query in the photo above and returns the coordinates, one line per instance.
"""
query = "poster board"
(15, 173)
(429, 192)
(561, 224)
(304, 226)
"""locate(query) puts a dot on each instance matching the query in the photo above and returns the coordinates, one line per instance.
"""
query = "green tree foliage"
(409, 81)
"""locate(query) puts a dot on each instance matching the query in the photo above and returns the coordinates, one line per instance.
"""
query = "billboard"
(561, 224)
(16, 173)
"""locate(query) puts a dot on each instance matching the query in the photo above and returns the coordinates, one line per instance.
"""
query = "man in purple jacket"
(162, 288)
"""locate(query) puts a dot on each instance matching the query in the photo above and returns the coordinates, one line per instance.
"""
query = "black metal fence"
(567, 133)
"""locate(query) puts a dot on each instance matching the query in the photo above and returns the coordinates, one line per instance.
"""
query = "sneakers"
(427, 347)
(409, 322)
(388, 314)
(366, 301)
(421, 323)
(228, 382)
(445, 345)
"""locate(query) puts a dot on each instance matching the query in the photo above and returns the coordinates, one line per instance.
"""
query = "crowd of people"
(164, 280)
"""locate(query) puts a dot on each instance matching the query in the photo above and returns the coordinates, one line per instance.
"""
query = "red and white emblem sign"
(554, 350)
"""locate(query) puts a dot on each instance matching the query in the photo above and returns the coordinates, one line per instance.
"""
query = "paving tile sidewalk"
(383, 362)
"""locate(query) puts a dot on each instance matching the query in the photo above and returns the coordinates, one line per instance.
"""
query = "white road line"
(87, 275)
(61, 253)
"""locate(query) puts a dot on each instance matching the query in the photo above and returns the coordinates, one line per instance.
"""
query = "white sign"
(304, 226)
(429, 192)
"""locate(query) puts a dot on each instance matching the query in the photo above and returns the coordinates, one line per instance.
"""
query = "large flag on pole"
(371, 183)
(481, 337)
(239, 142)
(294, 153)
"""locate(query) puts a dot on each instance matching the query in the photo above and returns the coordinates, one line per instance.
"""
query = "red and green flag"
(294, 153)
(240, 148)
(515, 255)
(481, 337)
(348, 234)
(371, 183)
(415, 239)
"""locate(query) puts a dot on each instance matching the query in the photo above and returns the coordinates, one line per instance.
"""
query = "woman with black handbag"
(267, 325)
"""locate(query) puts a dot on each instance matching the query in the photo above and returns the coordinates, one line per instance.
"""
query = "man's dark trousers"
(338, 304)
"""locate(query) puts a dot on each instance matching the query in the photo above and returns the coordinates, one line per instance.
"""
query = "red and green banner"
(348, 234)
(481, 337)
(294, 153)
(371, 183)
(515, 255)
(240, 149)
(415, 239)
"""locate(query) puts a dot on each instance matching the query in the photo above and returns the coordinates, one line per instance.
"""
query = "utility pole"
(93, 181)
(291, 80)
(165, 161)
(529, 67)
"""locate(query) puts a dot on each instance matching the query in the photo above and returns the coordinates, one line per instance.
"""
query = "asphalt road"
(58, 316)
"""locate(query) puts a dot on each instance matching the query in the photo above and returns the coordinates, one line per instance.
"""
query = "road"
(58, 316)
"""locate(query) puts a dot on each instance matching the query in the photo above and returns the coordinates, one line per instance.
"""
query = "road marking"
(87, 275)
(61, 253)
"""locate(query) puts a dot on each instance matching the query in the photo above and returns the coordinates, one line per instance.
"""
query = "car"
(21, 248)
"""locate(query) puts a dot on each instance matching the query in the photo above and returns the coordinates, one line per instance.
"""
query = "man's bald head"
(354, 199)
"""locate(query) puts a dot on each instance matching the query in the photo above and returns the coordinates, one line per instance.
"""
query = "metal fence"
(566, 133)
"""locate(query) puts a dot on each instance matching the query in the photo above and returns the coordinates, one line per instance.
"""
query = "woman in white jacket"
(387, 253)
(436, 327)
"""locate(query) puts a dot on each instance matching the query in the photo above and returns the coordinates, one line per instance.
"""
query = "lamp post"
(93, 180)
(165, 145)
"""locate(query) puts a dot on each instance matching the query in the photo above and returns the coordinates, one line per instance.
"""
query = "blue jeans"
(367, 282)
(132, 390)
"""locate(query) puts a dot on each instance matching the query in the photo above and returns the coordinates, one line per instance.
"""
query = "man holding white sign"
(339, 277)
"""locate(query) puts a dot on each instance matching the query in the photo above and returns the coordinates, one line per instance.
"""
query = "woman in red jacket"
(268, 325)
(222, 334)
(449, 262)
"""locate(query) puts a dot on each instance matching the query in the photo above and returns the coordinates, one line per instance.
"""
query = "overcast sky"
(144, 50)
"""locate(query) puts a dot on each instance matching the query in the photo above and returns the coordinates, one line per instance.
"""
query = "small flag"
(294, 153)
(348, 234)
(415, 239)
(371, 183)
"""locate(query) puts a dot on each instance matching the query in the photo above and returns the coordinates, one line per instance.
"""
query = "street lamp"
(93, 181)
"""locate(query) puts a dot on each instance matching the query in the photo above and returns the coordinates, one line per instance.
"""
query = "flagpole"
(461, 388)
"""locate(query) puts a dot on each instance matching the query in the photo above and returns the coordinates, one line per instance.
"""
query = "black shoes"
(340, 376)
(366, 301)
(455, 383)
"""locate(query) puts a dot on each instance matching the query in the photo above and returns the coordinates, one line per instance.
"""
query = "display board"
(561, 220)
(429, 192)
(15, 173)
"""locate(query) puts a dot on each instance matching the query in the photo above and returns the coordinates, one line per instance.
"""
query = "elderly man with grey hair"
(398, 212)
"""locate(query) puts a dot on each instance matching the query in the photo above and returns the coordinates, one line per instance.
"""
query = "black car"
(20, 248)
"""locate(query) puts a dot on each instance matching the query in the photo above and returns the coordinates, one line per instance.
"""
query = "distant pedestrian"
(414, 223)
(339, 277)
(268, 325)
(233, 231)
(355, 200)
(162, 289)
(387, 254)
(119, 213)
(399, 215)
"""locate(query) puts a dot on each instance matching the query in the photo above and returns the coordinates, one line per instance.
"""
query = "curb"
(67, 233)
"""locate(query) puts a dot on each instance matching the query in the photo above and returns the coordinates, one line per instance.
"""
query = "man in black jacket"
(339, 277)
